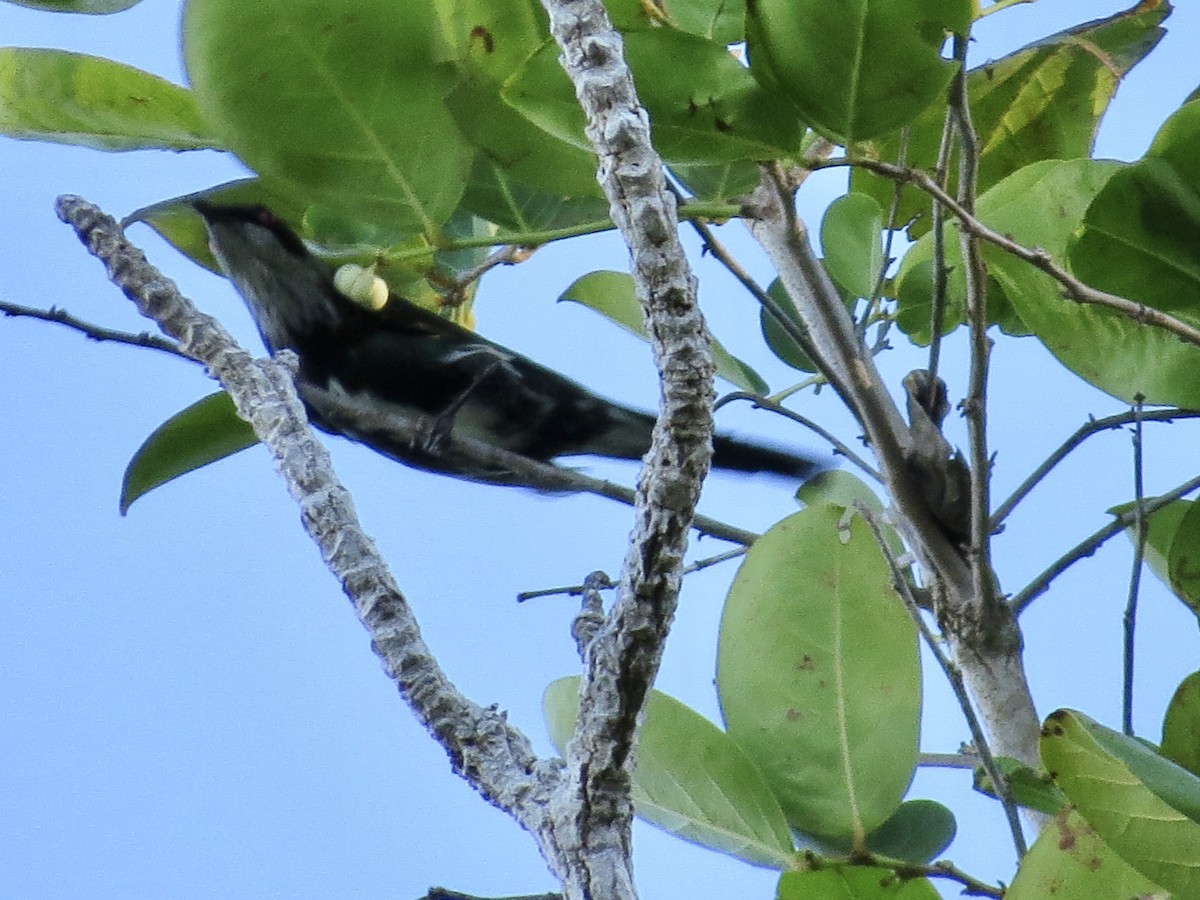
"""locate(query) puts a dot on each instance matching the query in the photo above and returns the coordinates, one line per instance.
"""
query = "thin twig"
(574, 590)
(975, 404)
(505, 256)
(1073, 288)
(714, 247)
(948, 760)
(1081, 434)
(95, 332)
(875, 303)
(953, 678)
(1141, 532)
(1089, 545)
(937, 302)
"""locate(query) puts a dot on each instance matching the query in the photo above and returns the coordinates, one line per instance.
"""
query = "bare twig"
(1073, 288)
(1141, 532)
(95, 332)
(1089, 545)
(505, 256)
(975, 405)
(1081, 434)
(937, 303)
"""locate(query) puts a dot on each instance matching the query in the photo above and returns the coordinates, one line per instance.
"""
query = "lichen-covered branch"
(623, 658)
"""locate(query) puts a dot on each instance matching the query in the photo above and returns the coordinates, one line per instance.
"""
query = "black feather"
(403, 360)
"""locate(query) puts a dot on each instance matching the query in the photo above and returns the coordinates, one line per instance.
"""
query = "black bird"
(361, 368)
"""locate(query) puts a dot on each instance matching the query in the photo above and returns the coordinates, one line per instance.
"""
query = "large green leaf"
(342, 103)
(205, 432)
(613, 295)
(1044, 101)
(496, 195)
(691, 779)
(1069, 861)
(704, 106)
(1042, 206)
(491, 40)
(70, 98)
(859, 68)
(1142, 805)
(819, 676)
(1141, 235)
(852, 242)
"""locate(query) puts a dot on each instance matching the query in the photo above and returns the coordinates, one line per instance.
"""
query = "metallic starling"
(402, 362)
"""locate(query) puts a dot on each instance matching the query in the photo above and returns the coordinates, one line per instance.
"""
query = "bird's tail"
(630, 438)
(744, 456)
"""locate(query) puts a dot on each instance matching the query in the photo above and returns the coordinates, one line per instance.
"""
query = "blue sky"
(191, 709)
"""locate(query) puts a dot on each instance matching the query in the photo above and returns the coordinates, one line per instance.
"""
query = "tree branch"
(1081, 434)
(987, 651)
(1073, 288)
(594, 812)
(95, 332)
(1089, 545)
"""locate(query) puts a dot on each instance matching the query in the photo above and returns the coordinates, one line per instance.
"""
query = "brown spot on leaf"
(479, 33)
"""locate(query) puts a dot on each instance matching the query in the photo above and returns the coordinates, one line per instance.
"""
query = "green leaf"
(719, 182)
(341, 104)
(1183, 559)
(70, 98)
(492, 40)
(819, 676)
(1044, 101)
(1162, 526)
(612, 294)
(90, 7)
(1041, 206)
(1181, 725)
(845, 882)
(780, 342)
(206, 431)
(859, 68)
(917, 832)
(704, 106)
(1069, 861)
(1142, 805)
(691, 779)
(838, 487)
(723, 21)
(1139, 240)
(177, 222)
(1030, 787)
(851, 237)
(493, 193)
